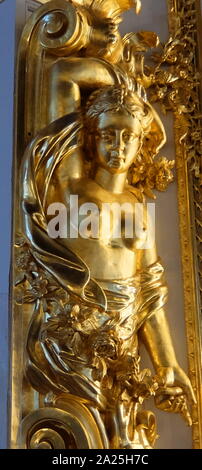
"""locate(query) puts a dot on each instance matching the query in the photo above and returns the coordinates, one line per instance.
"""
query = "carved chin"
(116, 163)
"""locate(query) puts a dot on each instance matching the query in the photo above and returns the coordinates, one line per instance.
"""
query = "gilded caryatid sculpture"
(88, 270)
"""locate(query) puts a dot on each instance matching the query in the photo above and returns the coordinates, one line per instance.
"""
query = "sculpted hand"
(174, 392)
(104, 35)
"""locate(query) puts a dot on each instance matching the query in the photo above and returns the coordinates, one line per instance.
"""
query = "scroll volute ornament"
(51, 30)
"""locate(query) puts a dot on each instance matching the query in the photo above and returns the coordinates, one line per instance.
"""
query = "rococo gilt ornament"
(88, 136)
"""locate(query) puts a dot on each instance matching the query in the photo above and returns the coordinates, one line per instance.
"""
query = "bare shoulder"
(129, 195)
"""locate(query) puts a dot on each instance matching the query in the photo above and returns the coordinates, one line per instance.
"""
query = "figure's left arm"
(175, 386)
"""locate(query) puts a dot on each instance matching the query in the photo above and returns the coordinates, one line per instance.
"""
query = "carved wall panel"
(87, 127)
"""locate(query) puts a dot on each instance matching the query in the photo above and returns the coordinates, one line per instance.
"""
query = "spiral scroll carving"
(50, 428)
(62, 28)
(55, 428)
(45, 438)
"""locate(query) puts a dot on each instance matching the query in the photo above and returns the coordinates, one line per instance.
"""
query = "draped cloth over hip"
(136, 298)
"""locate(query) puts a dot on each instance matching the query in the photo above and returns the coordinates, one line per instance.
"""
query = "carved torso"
(108, 257)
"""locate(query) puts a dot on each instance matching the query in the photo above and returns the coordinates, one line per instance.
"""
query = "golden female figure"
(87, 352)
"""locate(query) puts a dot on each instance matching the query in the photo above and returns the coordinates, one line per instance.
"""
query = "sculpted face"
(117, 141)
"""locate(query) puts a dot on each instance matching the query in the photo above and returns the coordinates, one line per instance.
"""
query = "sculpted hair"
(115, 99)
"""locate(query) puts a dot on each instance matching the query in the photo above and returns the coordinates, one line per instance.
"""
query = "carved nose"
(118, 141)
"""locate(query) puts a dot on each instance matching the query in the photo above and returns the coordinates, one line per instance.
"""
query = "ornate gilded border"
(185, 16)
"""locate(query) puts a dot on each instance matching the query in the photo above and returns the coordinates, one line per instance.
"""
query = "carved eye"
(107, 136)
(128, 136)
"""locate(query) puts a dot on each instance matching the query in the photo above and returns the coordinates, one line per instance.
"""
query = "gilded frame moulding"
(185, 18)
(184, 25)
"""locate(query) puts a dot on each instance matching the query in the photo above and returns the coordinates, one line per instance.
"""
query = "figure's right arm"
(156, 336)
(68, 75)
